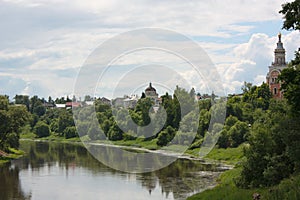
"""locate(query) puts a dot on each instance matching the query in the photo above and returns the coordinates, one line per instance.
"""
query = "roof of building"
(150, 88)
(60, 105)
(279, 43)
(72, 104)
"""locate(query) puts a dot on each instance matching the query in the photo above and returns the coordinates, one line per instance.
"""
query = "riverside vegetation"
(272, 155)
(261, 135)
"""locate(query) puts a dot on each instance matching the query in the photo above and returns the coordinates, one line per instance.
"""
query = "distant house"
(89, 103)
(131, 101)
(73, 104)
(236, 95)
(126, 101)
(49, 105)
(105, 101)
(119, 101)
(198, 96)
(60, 105)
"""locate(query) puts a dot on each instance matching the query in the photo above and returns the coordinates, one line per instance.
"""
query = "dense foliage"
(291, 12)
(12, 119)
(274, 143)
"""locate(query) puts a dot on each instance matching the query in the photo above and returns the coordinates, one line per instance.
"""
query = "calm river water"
(67, 171)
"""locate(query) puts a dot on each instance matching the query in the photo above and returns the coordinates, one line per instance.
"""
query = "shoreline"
(13, 155)
(225, 166)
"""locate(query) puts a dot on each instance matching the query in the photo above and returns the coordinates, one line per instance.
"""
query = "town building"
(105, 101)
(73, 104)
(151, 93)
(130, 102)
(126, 101)
(275, 69)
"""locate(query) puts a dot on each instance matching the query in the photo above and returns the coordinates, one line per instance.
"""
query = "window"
(275, 90)
(274, 80)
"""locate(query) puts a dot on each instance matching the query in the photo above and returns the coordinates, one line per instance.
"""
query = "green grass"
(226, 190)
(52, 137)
(140, 143)
(229, 155)
(12, 154)
(287, 189)
(27, 135)
(174, 148)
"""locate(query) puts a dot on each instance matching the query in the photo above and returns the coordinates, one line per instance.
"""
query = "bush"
(165, 136)
(41, 129)
(70, 132)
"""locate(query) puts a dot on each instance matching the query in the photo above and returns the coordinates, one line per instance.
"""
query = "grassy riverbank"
(227, 190)
(228, 156)
(55, 138)
(12, 154)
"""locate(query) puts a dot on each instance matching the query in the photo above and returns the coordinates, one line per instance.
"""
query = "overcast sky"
(44, 43)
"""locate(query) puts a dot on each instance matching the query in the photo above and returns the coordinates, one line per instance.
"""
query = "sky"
(44, 44)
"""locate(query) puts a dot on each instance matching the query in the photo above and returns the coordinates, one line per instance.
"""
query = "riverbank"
(8, 156)
(227, 190)
(228, 157)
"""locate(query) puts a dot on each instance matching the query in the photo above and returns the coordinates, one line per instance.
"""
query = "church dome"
(150, 88)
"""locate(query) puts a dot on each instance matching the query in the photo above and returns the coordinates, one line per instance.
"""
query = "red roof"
(73, 104)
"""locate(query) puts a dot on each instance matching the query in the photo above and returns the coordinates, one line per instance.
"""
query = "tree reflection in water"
(182, 178)
(10, 187)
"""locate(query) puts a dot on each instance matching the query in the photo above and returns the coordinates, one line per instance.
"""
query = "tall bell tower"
(275, 69)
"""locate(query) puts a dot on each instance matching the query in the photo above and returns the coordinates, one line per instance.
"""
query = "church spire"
(279, 43)
(279, 53)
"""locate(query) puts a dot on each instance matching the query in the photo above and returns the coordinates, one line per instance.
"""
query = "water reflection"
(10, 187)
(52, 170)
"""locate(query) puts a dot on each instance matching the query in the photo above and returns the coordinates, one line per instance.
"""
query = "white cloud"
(41, 40)
(253, 58)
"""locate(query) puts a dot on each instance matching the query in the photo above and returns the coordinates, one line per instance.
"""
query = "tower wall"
(275, 69)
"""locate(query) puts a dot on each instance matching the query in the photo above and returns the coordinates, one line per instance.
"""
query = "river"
(59, 171)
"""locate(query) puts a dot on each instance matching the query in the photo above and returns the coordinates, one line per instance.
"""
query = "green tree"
(246, 87)
(258, 96)
(204, 120)
(165, 136)
(22, 99)
(167, 103)
(291, 12)
(12, 119)
(65, 120)
(41, 129)
(83, 128)
(143, 107)
(290, 78)
(186, 100)
(269, 159)
(70, 132)
(238, 133)
(93, 131)
(115, 133)
(39, 109)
